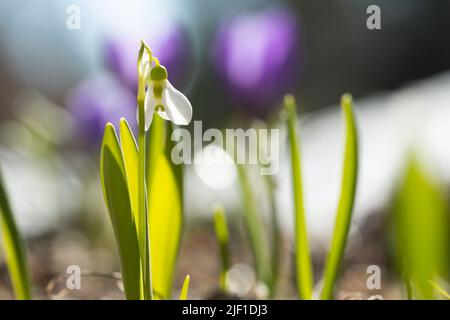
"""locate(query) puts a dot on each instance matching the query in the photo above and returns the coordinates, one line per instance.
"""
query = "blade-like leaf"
(439, 289)
(156, 143)
(303, 260)
(178, 169)
(255, 227)
(165, 223)
(184, 290)
(221, 229)
(275, 236)
(117, 198)
(346, 201)
(130, 155)
(16, 259)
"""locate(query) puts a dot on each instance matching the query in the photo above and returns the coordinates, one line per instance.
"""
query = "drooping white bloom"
(161, 97)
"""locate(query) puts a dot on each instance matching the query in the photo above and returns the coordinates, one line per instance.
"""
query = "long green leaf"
(165, 224)
(14, 249)
(184, 290)
(130, 155)
(255, 228)
(275, 236)
(156, 143)
(165, 207)
(439, 289)
(346, 201)
(117, 198)
(178, 169)
(221, 229)
(302, 258)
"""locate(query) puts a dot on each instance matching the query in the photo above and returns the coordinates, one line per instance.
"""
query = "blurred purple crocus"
(98, 100)
(171, 47)
(257, 56)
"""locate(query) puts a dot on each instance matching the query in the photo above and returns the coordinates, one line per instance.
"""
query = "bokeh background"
(235, 61)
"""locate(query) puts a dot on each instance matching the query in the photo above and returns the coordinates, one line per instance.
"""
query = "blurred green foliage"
(421, 225)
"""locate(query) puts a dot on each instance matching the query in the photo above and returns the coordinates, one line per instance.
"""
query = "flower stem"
(144, 238)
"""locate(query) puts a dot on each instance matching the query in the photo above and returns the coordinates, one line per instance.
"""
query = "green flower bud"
(158, 73)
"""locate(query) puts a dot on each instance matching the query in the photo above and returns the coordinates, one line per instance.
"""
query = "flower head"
(161, 97)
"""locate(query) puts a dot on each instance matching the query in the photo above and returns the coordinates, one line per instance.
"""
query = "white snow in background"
(391, 126)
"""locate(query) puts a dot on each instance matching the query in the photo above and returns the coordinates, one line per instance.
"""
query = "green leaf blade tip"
(185, 288)
(346, 201)
(304, 274)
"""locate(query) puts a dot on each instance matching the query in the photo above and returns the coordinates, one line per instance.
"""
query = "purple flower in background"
(98, 100)
(172, 48)
(257, 56)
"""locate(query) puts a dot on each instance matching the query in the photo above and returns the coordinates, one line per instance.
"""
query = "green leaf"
(156, 143)
(117, 198)
(439, 289)
(303, 269)
(130, 154)
(221, 229)
(420, 216)
(178, 169)
(346, 201)
(15, 255)
(165, 223)
(275, 234)
(184, 290)
(255, 228)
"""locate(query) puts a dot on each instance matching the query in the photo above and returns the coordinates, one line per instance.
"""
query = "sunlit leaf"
(165, 221)
(221, 229)
(346, 201)
(255, 228)
(421, 229)
(156, 143)
(439, 289)
(177, 169)
(303, 269)
(15, 255)
(130, 155)
(275, 233)
(117, 197)
(184, 290)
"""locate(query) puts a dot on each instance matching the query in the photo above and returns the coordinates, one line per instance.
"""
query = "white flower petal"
(149, 107)
(163, 114)
(177, 107)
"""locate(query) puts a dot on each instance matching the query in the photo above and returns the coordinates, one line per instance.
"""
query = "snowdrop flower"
(161, 97)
